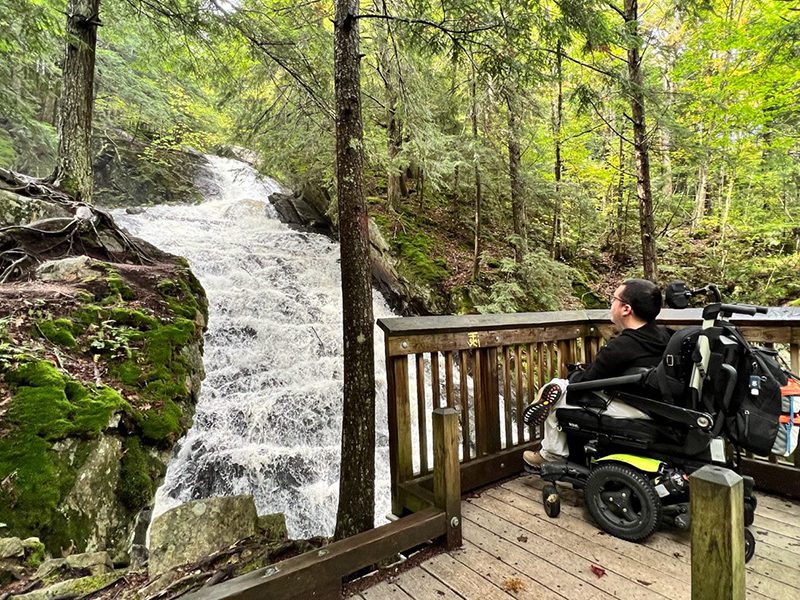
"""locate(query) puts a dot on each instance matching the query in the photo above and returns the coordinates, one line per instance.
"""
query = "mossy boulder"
(100, 372)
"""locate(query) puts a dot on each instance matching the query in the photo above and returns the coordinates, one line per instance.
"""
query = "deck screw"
(404, 344)
(454, 522)
(322, 552)
(271, 571)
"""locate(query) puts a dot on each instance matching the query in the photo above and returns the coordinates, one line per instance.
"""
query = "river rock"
(75, 268)
(16, 209)
(198, 529)
(11, 547)
(73, 588)
(273, 528)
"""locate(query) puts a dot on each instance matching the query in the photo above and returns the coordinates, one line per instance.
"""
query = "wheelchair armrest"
(691, 418)
(601, 384)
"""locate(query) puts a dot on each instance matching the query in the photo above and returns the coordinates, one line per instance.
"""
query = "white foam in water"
(268, 420)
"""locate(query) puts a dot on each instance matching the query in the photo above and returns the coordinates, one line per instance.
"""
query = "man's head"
(634, 303)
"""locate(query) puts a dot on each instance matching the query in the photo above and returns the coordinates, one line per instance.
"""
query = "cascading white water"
(268, 421)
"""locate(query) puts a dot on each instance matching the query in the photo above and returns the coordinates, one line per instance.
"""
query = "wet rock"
(135, 210)
(198, 529)
(273, 527)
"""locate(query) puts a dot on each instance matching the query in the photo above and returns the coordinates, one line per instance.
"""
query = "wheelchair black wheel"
(623, 502)
(551, 501)
(749, 545)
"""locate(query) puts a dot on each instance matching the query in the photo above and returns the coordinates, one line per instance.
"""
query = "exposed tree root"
(89, 231)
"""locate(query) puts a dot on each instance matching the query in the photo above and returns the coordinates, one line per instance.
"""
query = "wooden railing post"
(447, 471)
(717, 534)
(399, 427)
(487, 405)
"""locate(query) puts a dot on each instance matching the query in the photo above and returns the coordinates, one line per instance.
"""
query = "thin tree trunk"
(619, 244)
(643, 190)
(357, 475)
(700, 193)
(514, 162)
(394, 133)
(73, 172)
(476, 262)
(666, 144)
(555, 238)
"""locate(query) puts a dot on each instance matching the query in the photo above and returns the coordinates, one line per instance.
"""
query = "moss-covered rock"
(101, 374)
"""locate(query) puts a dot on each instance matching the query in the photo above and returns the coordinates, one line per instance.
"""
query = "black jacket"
(641, 347)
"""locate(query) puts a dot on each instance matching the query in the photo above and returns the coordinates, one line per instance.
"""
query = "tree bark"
(643, 189)
(73, 172)
(394, 126)
(476, 262)
(357, 475)
(514, 162)
(558, 167)
(619, 241)
(666, 142)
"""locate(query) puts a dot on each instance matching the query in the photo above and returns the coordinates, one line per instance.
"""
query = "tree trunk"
(619, 242)
(643, 190)
(514, 161)
(476, 262)
(357, 475)
(666, 144)
(558, 168)
(73, 172)
(701, 193)
(394, 127)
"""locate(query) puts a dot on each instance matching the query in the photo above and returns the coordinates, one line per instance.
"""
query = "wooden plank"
(503, 575)
(448, 379)
(517, 534)
(447, 472)
(520, 393)
(584, 529)
(465, 435)
(447, 340)
(435, 382)
(487, 409)
(397, 326)
(305, 576)
(779, 479)
(717, 543)
(421, 585)
(586, 551)
(385, 590)
(507, 394)
(463, 580)
(671, 544)
(523, 557)
(400, 457)
(422, 414)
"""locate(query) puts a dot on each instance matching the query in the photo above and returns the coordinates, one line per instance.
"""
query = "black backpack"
(752, 422)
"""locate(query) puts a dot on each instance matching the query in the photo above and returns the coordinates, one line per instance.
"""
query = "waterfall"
(268, 420)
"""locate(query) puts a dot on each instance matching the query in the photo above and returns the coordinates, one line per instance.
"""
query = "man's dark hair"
(644, 298)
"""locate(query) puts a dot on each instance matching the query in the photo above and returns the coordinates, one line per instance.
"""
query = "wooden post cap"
(716, 475)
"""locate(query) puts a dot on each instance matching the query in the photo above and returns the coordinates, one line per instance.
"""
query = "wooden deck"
(513, 550)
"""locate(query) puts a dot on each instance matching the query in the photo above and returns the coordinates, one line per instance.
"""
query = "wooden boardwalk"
(513, 550)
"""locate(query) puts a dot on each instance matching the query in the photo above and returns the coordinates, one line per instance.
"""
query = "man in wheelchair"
(634, 307)
(630, 440)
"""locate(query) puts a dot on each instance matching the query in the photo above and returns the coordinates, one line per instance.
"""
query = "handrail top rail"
(394, 326)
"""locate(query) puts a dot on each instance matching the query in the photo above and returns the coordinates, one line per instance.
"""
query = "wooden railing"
(490, 366)
(319, 573)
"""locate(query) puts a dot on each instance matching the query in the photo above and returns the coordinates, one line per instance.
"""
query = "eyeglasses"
(618, 299)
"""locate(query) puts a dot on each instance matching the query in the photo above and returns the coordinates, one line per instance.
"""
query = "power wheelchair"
(700, 398)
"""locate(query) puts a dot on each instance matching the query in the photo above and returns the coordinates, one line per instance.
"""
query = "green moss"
(46, 406)
(160, 424)
(118, 287)
(36, 556)
(139, 476)
(416, 259)
(59, 331)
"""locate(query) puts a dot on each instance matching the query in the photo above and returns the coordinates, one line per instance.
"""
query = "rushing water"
(268, 421)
